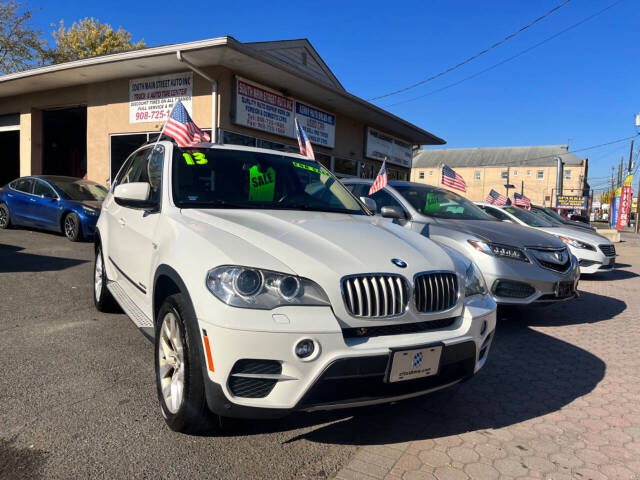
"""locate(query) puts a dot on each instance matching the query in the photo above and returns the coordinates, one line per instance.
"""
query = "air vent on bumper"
(254, 378)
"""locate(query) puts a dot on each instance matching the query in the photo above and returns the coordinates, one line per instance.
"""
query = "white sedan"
(595, 253)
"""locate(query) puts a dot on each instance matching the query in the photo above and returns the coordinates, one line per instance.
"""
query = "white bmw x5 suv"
(268, 287)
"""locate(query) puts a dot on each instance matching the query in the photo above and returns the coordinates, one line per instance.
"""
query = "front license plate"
(415, 363)
(565, 289)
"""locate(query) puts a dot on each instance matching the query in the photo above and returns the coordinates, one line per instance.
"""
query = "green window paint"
(261, 184)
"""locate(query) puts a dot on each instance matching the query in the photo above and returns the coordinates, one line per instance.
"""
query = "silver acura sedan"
(521, 266)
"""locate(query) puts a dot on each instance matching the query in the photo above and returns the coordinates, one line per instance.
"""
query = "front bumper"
(343, 371)
(593, 262)
(538, 285)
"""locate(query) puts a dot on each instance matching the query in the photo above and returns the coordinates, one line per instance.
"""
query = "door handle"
(122, 222)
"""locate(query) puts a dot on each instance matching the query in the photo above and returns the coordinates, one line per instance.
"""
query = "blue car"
(63, 204)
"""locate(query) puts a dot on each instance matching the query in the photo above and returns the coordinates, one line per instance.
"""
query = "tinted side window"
(24, 185)
(382, 198)
(495, 213)
(43, 190)
(151, 171)
(134, 167)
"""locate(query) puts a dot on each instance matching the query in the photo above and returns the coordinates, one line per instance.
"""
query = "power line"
(513, 57)
(450, 69)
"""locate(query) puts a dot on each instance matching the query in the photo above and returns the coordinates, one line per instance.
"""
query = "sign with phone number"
(152, 98)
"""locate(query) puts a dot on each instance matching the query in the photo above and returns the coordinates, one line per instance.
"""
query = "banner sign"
(615, 204)
(152, 98)
(571, 202)
(625, 202)
(320, 126)
(380, 146)
(262, 108)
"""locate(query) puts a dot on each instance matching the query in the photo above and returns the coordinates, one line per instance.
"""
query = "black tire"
(102, 298)
(192, 414)
(71, 227)
(5, 216)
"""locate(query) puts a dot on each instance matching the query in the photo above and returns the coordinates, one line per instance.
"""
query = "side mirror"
(370, 203)
(134, 195)
(393, 212)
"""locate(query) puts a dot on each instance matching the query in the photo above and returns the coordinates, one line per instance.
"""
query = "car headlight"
(474, 283)
(577, 243)
(90, 211)
(262, 289)
(497, 250)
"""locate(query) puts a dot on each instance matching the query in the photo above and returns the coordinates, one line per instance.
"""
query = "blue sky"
(582, 87)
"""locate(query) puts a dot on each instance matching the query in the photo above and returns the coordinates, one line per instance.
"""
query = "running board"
(137, 316)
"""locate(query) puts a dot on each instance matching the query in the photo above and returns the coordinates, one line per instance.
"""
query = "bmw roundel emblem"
(399, 263)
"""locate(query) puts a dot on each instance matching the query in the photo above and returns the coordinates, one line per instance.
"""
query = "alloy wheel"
(4, 217)
(97, 277)
(171, 362)
(70, 227)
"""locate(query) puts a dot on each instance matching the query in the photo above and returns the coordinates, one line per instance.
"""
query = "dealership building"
(83, 118)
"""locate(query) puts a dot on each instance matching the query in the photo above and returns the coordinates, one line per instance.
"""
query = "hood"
(502, 232)
(97, 204)
(320, 245)
(580, 234)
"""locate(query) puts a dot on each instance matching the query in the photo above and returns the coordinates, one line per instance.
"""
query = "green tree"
(89, 38)
(20, 45)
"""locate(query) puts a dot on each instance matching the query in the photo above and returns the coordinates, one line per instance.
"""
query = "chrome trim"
(434, 301)
(388, 288)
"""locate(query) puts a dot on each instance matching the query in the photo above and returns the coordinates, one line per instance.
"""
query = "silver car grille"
(556, 259)
(435, 292)
(609, 250)
(375, 295)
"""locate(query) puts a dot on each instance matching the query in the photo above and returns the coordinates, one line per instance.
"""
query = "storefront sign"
(625, 202)
(571, 202)
(380, 146)
(152, 98)
(320, 126)
(263, 109)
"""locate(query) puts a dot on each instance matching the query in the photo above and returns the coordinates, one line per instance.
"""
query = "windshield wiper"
(311, 208)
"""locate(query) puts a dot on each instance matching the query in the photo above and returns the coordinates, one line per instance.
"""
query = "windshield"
(220, 178)
(441, 203)
(80, 190)
(528, 217)
(545, 216)
(552, 213)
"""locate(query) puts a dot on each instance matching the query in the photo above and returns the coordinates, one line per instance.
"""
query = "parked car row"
(269, 286)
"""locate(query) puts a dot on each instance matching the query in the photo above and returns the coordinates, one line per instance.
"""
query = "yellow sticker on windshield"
(198, 158)
(261, 184)
(310, 168)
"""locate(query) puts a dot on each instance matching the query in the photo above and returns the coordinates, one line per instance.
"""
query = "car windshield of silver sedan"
(528, 218)
(80, 190)
(441, 203)
(545, 216)
(222, 178)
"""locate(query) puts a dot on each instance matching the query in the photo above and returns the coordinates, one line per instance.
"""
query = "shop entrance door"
(64, 142)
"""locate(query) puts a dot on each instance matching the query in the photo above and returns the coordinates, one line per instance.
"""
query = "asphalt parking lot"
(559, 397)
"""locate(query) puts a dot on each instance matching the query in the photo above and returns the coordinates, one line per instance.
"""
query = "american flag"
(381, 180)
(303, 142)
(496, 199)
(452, 179)
(521, 201)
(181, 128)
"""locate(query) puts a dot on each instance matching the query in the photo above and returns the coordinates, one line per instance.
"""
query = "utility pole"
(522, 187)
(620, 171)
(630, 158)
(559, 177)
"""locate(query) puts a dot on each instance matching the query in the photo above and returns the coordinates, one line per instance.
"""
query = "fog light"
(483, 330)
(305, 348)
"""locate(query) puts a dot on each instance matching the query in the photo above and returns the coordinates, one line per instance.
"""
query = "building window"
(515, 173)
(567, 174)
(395, 174)
(540, 174)
(430, 173)
(325, 160)
(369, 169)
(476, 175)
(504, 174)
(421, 175)
(238, 139)
(345, 166)
(528, 173)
